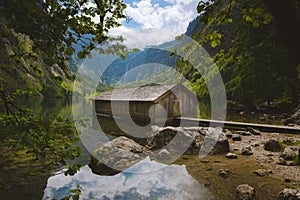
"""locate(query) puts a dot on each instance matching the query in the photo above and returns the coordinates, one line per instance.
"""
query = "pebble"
(245, 192)
(256, 144)
(244, 133)
(236, 137)
(225, 173)
(263, 172)
(247, 151)
(231, 156)
(281, 161)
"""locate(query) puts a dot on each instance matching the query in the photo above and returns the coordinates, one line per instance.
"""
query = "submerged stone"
(245, 192)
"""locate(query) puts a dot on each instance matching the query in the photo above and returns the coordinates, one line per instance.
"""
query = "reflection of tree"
(35, 39)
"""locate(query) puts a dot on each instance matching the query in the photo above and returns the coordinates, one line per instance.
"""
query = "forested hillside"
(23, 70)
(255, 45)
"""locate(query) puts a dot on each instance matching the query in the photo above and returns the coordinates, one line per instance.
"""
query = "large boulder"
(245, 192)
(221, 146)
(289, 194)
(116, 156)
(189, 140)
(272, 145)
(173, 139)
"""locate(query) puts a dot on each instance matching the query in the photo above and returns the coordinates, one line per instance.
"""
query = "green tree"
(36, 39)
(255, 56)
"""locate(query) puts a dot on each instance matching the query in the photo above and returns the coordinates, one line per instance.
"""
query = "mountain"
(23, 70)
(152, 63)
(150, 56)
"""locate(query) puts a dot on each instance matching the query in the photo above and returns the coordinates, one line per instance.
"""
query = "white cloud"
(140, 38)
(146, 179)
(157, 24)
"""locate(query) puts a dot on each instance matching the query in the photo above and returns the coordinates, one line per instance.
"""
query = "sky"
(145, 180)
(154, 22)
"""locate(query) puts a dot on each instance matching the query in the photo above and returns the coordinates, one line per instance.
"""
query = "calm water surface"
(170, 182)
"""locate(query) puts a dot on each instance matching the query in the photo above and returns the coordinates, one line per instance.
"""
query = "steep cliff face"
(23, 70)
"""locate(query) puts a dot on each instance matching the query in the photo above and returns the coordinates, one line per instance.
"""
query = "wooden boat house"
(157, 101)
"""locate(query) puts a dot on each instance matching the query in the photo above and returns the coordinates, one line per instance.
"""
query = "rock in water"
(289, 194)
(225, 173)
(236, 137)
(247, 151)
(253, 131)
(189, 140)
(231, 156)
(221, 146)
(115, 156)
(272, 145)
(281, 161)
(288, 154)
(244, 133)
(245, 192)
(263, 172)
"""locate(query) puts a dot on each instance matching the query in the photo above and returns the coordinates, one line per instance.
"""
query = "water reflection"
(170, 182)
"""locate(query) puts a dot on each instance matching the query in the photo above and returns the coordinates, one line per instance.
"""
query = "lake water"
(170, 182)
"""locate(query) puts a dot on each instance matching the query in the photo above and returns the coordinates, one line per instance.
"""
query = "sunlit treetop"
(55, 26)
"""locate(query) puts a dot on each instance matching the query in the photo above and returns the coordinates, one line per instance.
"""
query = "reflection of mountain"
(167, 182)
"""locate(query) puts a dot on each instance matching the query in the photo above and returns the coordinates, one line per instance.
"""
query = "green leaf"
(69, 51)
(215, 43)
(249, 19)
(80, 55)
(255, 24)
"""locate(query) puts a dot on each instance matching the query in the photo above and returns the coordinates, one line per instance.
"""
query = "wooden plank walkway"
(231, 124)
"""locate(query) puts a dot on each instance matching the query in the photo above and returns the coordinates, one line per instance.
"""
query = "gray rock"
(263, 172)
(288, 154)
(242, 113)
(116, 155)
(272, 145)
(254, 131)
(231, 156)
(281, 161)
(236, 137)
(189, 140)
(225, 173)
(244, 133)
(247, 151)
(255, 144)
(245, 192)
(290, 163)
(287, 121)
(222, 146)
(163, 136)
(228, 134)
(262, 119)
(289, 194)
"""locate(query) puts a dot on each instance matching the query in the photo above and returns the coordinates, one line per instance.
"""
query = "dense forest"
(254, 43)
(255, 46)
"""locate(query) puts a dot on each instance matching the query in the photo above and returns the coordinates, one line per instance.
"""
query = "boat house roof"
(150, 93)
